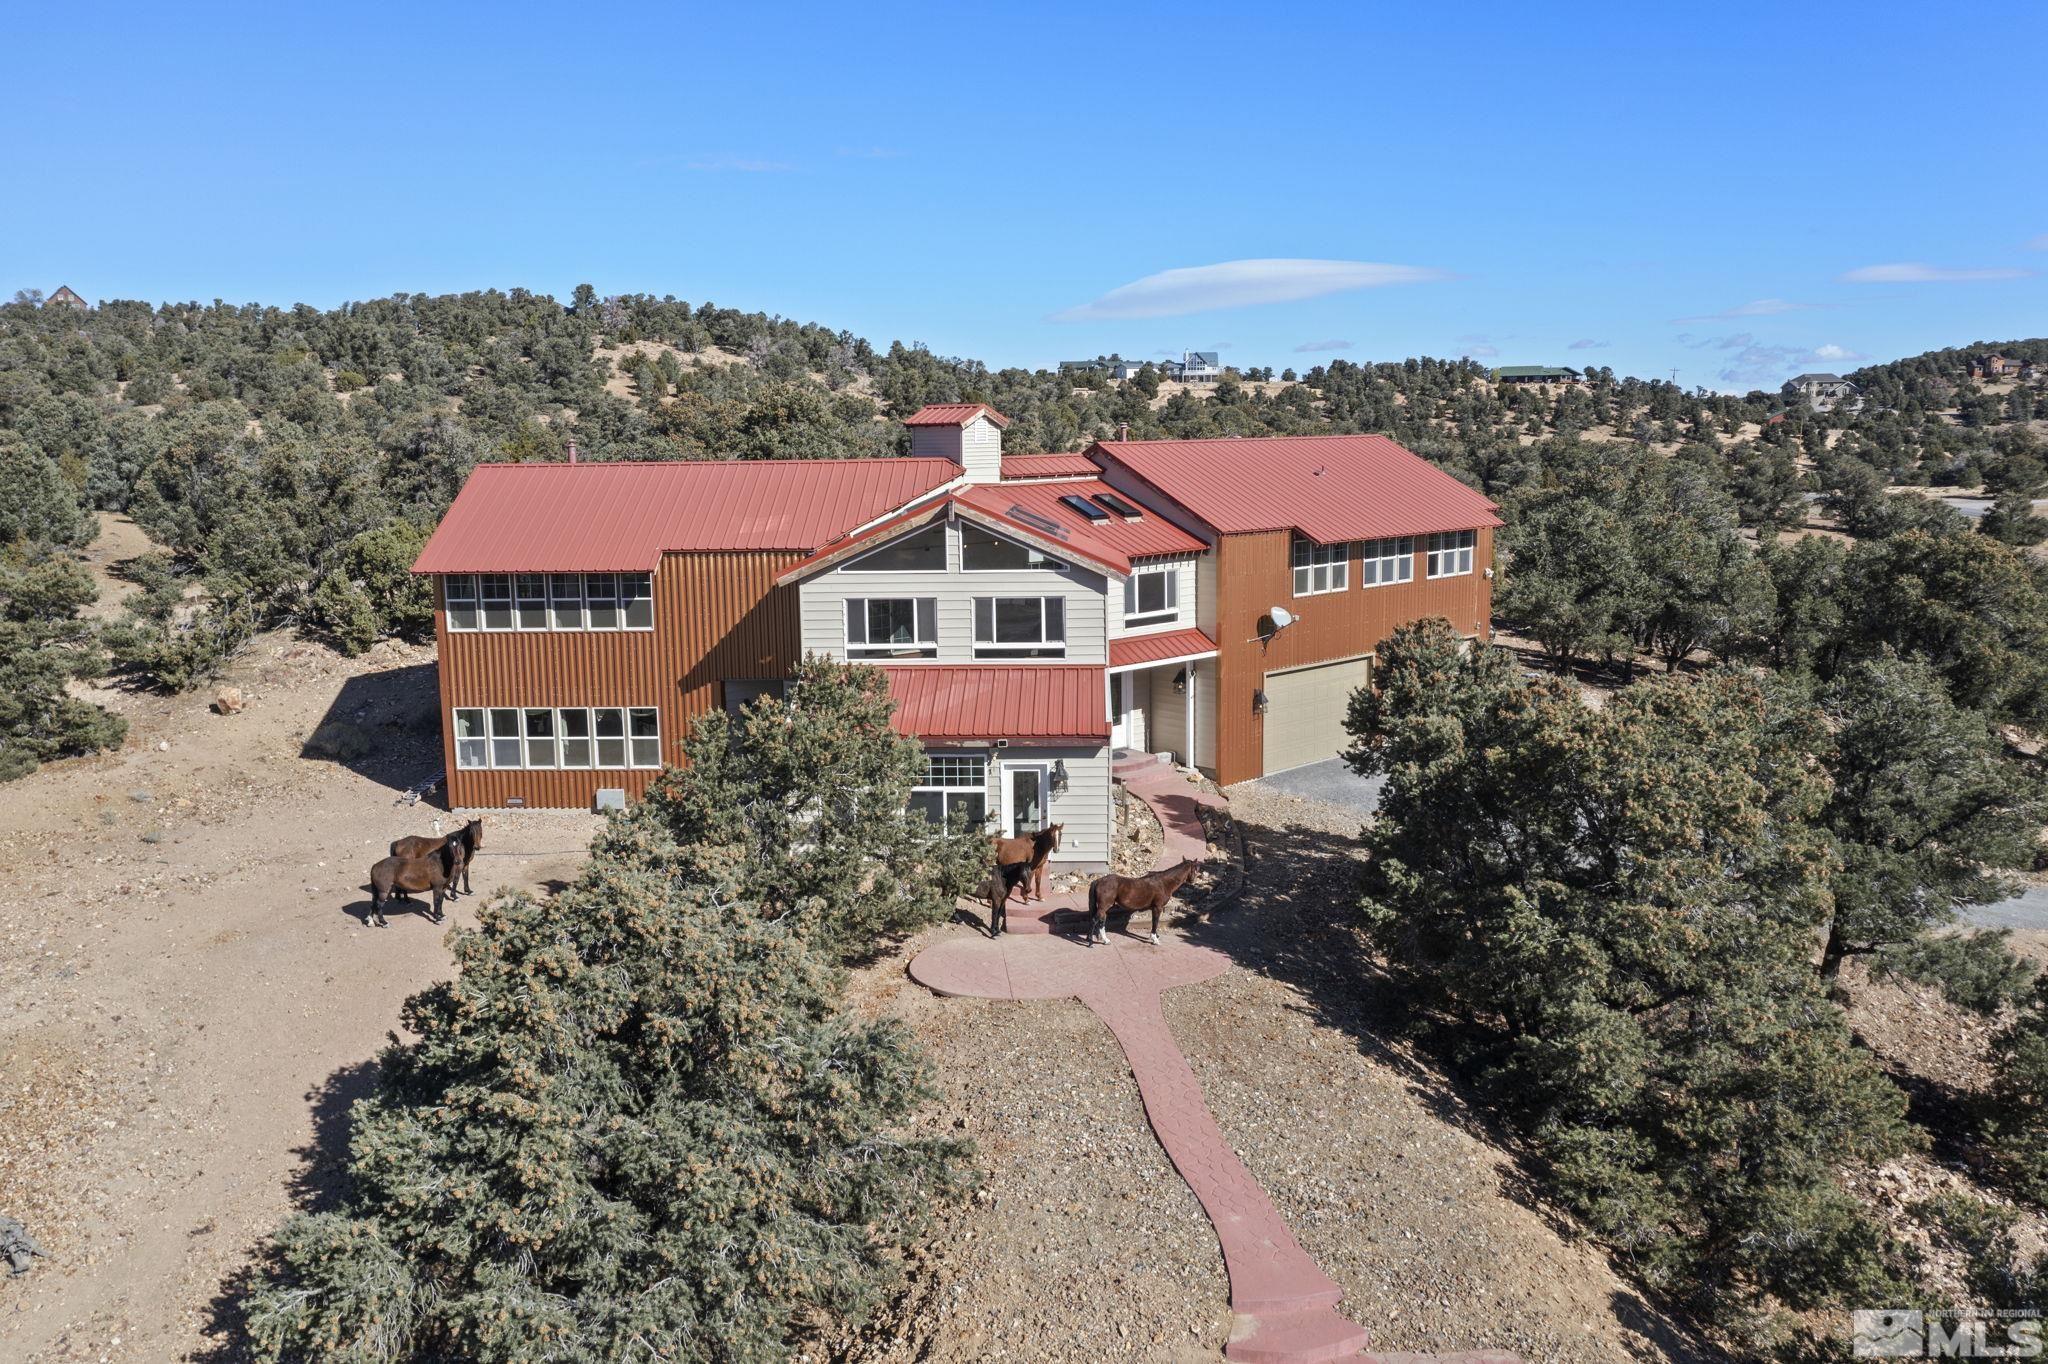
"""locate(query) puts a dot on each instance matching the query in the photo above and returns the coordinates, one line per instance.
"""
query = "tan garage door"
(1305, 712)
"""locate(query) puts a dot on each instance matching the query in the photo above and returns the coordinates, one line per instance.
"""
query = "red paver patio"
(1286, 1306)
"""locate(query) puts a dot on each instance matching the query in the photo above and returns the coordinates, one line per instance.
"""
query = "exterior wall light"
(1180, 682)
(1059, 777)
(1258, 703)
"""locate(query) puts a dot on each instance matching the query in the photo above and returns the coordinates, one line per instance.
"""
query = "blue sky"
(1737, 192)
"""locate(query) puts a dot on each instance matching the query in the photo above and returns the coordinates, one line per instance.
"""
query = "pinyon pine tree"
(1617, 909)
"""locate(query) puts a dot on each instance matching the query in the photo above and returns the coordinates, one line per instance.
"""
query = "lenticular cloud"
(1242, 283)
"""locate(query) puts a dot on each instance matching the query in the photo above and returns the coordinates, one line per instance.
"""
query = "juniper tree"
(635, 1125)
(810, 792)
(1617, 909)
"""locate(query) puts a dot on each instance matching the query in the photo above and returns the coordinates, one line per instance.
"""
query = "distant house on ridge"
(67, 298)
(1537, 374)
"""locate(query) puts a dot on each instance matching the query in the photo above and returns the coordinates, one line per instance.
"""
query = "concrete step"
(1309, 1335)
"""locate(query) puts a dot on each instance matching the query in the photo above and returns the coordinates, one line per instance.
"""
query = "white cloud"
(1240, 284)
(1757, 365)
(1481, 351)
(747, 164)
(1832, 351)
(1315, 347)
(1587, 344)
(1916, 272)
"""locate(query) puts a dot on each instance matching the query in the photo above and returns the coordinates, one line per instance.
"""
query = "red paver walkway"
(1286, 1306)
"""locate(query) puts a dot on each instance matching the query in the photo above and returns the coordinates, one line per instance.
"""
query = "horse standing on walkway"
(470, 835)
(1150, 891)
(435, 872)
(1018, 861)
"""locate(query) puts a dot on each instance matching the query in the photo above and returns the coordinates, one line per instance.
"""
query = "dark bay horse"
(470, 835)
(435, 872)
(1019, 862)
(1150, 891)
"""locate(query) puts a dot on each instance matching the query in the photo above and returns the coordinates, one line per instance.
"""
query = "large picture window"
(1020, 627)
(549, 601)
(538, 738)
(954, 784)
(921, 552)
(1320, 568)
(892, 627)
(1151, 597)
(1387, 561)
(1450, 554)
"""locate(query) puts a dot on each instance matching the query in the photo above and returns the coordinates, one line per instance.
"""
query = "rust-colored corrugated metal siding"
(716, 616)
(1254, 573)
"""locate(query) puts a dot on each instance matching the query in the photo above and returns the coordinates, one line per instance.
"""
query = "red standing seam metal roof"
(1040, 701)
(1071, 465)
(1137, 650)
(1112, 537)
(1330, 488)
(562, 518)
(954, 414)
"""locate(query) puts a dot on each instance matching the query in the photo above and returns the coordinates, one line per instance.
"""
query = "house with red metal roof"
(1038, 617)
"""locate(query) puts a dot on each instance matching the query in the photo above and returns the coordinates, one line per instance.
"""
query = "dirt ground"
(1083, 1244)
(189, 1000)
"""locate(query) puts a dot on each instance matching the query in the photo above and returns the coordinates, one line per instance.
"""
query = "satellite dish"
(1282, 618)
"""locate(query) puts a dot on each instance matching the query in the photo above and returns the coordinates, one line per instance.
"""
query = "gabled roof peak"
(954, 414)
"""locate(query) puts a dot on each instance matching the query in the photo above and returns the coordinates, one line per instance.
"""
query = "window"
(1152, 596)
(1320, 568)
(459, 590)
(1387, 561)
(923, 552)
(540, 738)
(601, 596)
(892, 627)
(644, 724)
(1076, 502)
(496, 590)
(954, 785)
(575, 726)
(504, 738)
(1450, 554)
(1020, 627)
(532, 600)
(636, 596)
(472, 748)
(611, 736)
(565, 598)
(983, 551)
(1119, 506)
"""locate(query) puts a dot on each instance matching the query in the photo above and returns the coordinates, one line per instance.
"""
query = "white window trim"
(1171, 613)
(473, 597)
(855, 650)
(1340, 567)
(559, 739)
(1370, 563)
(947, 792)
(1454, 546)
(1004, 648)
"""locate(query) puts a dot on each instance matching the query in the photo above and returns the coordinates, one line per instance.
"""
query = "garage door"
(1305, 712)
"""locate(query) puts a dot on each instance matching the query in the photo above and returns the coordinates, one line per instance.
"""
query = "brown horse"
(470, 835)
(1031, 854)
(1151, 891)
(435, 872)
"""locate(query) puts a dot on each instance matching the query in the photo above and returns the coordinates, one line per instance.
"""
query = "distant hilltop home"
(1994, 366)
(67, 298)
(1537, 374)
(1041, 620)
(1193, 367)
(1823, 392)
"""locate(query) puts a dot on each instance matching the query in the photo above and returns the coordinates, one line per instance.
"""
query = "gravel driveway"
(1330, 783)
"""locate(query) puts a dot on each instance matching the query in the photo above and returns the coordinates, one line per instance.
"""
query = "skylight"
(1119, 506)
(1078, 503)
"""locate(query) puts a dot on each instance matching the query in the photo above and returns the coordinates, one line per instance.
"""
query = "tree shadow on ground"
(318, 1185)
(1291, 920)
(385, 726)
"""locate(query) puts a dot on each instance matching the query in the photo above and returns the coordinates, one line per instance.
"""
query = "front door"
(1024, 798)
(1120, 707)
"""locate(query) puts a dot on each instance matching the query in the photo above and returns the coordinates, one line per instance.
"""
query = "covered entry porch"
(1162, 696)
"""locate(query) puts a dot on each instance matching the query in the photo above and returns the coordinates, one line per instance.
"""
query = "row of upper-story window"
(883, 628)
(1327, 568)
(537, 738)
(549, 601)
